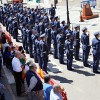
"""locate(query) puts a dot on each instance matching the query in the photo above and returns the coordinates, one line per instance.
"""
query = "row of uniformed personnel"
(38, 33)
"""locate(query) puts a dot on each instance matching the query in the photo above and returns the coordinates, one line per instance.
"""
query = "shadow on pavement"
(84, 72)
(53, 69)
(61, 79)
(77, 66)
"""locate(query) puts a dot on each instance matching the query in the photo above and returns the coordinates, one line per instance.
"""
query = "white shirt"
(55, 96)
(16, 64)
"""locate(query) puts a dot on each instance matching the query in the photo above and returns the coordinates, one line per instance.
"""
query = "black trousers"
(18, 80)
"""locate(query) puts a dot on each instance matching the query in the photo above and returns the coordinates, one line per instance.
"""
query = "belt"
(71, 49)
(76, 39)
(44, 52)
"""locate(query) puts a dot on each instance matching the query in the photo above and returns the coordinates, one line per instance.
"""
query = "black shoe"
(78, 59)
(50, 53)
(55, 57)
(70, 69)
(97, 72)
(17, 41)
(62, 63)
(87, 65)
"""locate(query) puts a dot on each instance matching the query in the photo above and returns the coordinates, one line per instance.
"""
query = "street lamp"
(1, 1)
(68, 20)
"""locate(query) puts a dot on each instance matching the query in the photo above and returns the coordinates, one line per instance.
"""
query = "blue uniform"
(57, 40)
(27, 41)
(24, 37)
(54, 34)
(86, 48)
(37, 43)
(96, 53)
(69, 53)
(34, 46)
(76, 43)
(30, 43)
(35, 50)
(44, 54)
(48, 38)
(15, 30)
(52, 12)
(60, 48)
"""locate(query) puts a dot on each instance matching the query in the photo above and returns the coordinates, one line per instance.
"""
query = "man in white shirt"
(55, 93)
(17, 70)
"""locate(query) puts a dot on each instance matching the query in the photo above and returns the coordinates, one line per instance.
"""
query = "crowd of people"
(40, 30)
(15, 60)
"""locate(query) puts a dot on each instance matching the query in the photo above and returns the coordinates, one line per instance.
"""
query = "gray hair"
(32, 65)
(16, 53)
(56, 87)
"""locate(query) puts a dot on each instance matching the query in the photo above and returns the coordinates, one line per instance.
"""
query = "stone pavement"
(7, 90)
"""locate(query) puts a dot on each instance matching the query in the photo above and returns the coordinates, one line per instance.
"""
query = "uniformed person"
(52, 11)
(41, 25)
(69, 51)
(44, 52)
(34, 48)
(27, 31)
(24, 36)
(54, 35)
(57, 22)
(96, 51)
(85, 46)
(63, 25)
(37, 43)
(48, 37)
(60, 46)
(76, 36)
(15, 29)
(30, 41)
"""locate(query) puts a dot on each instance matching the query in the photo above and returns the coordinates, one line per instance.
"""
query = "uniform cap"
(77, 25)
(59, 30)
(96, 33)
(53, 26)
(84, 28)
(66, 26)
(56, 17)
(43, 35)
(14, 18)
(63, 22)
(68, 35)
(37, 35)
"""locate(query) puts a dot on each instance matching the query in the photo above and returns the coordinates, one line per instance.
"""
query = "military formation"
(41, 29)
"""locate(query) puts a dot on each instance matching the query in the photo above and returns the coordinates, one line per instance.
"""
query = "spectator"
(22, 56)
(7, 56)
(35, 87)
(17, 70)
(3, 38)
(55, 93)
(47, 87)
